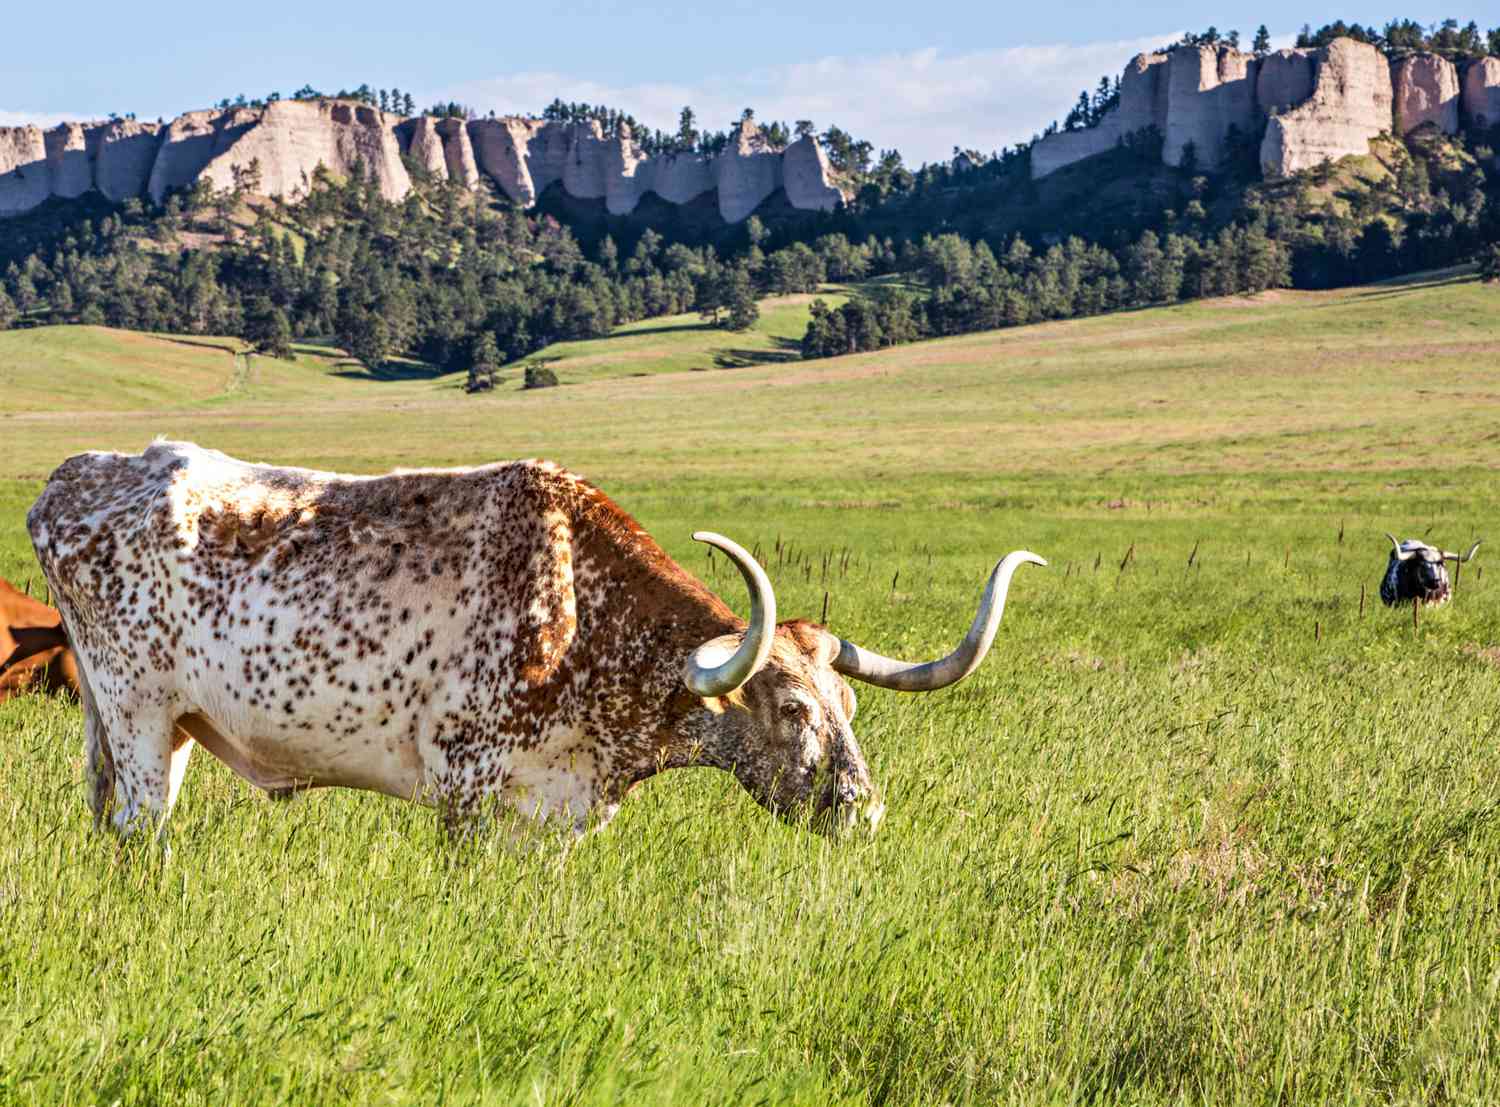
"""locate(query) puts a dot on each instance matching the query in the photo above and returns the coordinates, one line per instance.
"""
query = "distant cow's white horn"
(1461, 557)
(707, 672)
(1397, 552)
(907, 676)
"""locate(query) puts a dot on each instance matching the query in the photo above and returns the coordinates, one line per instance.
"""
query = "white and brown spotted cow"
(452, 636)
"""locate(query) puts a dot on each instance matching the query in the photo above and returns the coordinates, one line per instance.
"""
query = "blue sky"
(919, 76)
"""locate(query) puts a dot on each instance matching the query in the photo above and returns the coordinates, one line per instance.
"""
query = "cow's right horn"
(1396, 550)
(1460, 557)
(907, 676)
(708, 672)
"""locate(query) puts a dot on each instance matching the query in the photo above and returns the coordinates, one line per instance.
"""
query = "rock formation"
(1425, 90)
(805, 174)
(1209, 90)
(679, 178)
(502, 148)
(1143, 104)
(280, 147)
(127, 151)
(23, 170)
(628, 175)
(1350, 104)
(424, 145)
(746, 172)
(1302, 105)
(458, 153)
(190, 143)
(292, 138)
(583, 161)
(1284, 79)
(70, 170)
(1481, 94)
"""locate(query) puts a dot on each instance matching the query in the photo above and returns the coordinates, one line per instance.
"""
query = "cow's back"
(87, 523)
(320, 621)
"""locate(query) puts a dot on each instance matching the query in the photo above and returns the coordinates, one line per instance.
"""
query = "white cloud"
(922, 102)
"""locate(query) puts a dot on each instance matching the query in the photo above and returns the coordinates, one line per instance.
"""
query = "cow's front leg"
(98, 767)
(150, 757)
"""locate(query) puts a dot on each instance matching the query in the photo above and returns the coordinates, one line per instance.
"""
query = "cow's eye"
(793, 710)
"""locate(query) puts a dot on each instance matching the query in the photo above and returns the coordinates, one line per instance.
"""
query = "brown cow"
(34, 651)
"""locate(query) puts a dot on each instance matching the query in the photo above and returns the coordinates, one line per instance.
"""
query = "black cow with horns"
(1416, 572)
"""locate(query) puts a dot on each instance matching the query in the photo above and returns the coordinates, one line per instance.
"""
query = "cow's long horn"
(708, 672)
(906, 676)
(1460, 557)
(1396, 550)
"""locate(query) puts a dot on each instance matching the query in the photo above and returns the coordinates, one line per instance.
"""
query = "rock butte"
(1425, 88)
(290, 139)
(1481, 94)
(1302, 106)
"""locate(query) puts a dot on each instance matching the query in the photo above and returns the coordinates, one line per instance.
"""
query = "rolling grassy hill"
(1210, 826)
(685, 343)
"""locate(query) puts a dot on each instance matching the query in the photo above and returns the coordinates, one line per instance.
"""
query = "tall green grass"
(1195, 833)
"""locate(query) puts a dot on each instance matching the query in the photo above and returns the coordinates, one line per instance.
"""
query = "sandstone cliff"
(1302, 106)
(1425, 90)
(805, 174)
(679, 178)
(23, 170)
(1284, 79)
(291, 138)
(524, 157)
(1143, 104)
(421, 142)
(746, 172)
(502, 148)
(458, 153)
(70, 155)
(1209, 91)
(127, 150)
(1481, 94)
(1350, 104)
(287, 141)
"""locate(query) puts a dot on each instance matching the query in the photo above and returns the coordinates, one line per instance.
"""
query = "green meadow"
(1209, 826)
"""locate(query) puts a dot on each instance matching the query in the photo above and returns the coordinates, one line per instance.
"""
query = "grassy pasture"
(1196, 832)
(685, 343)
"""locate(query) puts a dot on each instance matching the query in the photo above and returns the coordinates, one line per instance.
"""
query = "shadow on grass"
(201, 344)
(1392, 286)
(389, 371)
(782, 350)
(675, 328)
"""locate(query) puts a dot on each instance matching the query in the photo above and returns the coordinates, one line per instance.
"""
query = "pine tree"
(687, 129)
(609, 254)
(1489, 271)
(267, 329)
(484, 363)
(739, 297)
(1262, 44)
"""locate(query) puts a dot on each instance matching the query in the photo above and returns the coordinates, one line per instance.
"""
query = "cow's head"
(1416, 573)
(785, 710)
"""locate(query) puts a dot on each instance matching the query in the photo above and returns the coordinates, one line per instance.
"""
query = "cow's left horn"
(708, 672)
(1460, 557)
(907, 676)
(1397, 552)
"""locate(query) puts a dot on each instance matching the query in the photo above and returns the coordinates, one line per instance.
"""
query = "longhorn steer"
(1415, 572)
(454, 636)
(34, 652)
